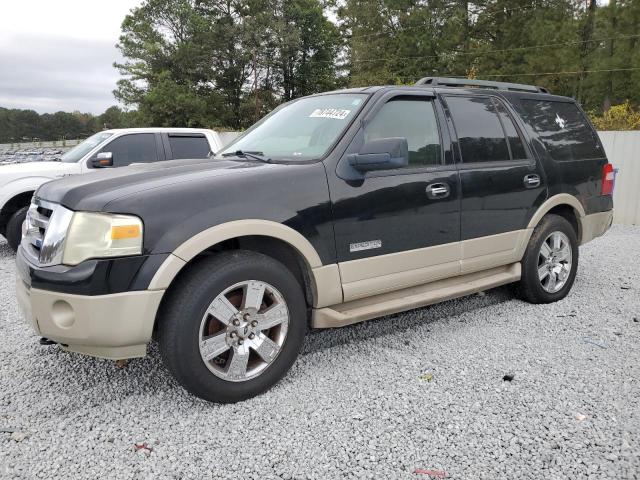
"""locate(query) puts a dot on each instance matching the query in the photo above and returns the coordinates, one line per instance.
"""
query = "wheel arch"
(320, 283)
(564, 205)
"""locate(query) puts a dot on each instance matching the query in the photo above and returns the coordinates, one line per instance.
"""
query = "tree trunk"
(586, 45)
(609, 84)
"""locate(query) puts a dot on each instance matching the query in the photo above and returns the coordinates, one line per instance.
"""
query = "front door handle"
(438, 190)
(532, 180)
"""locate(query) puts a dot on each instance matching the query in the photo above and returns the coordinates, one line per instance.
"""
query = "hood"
(95, 191)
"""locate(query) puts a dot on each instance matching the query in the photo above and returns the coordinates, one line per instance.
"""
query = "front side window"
(79, 151)
(302, 130)
(480, 134)
(563, 129)
(134, 148)
(413, 119)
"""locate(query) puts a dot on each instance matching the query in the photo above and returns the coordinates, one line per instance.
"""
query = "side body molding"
(326, 279)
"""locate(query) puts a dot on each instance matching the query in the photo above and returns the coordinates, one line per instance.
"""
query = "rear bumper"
(115, 326)
(595, 225)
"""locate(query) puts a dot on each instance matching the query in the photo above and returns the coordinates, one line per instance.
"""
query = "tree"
(27, 125)
(617, 117)
(115, 117)
(201, 62)
(306, 46)
(163, 42)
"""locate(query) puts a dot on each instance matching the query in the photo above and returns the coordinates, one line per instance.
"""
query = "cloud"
(49, 74)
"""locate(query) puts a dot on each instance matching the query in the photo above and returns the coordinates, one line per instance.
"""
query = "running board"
(414, 297)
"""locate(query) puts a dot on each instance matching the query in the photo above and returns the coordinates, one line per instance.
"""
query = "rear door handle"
(532, 180)
(438, 190)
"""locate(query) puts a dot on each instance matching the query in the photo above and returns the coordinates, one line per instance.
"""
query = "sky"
(58, 54)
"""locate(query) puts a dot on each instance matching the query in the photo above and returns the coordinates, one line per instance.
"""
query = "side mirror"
(381, 154)
(103, 160)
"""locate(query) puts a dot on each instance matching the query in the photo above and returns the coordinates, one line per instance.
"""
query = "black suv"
(333, 209)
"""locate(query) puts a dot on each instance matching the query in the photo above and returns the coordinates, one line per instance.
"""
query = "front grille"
(37, 223)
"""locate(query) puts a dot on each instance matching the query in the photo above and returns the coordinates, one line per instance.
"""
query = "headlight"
(98, 235)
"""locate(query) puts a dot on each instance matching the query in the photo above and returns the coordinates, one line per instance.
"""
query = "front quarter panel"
(294, 195)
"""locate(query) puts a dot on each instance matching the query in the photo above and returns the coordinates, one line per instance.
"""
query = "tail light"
(608, 179)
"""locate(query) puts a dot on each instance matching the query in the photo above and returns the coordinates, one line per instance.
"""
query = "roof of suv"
(461, 86)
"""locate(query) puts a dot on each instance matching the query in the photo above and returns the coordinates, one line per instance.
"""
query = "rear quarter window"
(563, 129)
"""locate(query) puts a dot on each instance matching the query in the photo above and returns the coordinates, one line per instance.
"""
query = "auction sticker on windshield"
(337, 113)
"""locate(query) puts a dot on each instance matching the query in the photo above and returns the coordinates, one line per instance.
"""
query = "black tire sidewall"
(187, 365)
(14, 228)
(534, 291)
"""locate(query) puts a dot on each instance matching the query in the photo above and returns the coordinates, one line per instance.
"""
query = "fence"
(55, 144)
(623, 151)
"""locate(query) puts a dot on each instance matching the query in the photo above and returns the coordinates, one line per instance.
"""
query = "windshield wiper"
(246, 154)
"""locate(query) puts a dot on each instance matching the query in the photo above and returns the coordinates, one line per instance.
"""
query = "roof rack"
(465, 82)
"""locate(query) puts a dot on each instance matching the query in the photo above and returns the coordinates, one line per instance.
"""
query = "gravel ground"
(401, 397)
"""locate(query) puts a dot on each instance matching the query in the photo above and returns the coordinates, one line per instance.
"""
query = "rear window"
(480, 133)
(563, 129)
(192, 146)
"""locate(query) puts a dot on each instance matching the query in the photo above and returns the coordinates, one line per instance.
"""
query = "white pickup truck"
(110, 148)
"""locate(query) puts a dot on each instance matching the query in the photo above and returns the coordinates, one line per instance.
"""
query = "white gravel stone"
(354, 405)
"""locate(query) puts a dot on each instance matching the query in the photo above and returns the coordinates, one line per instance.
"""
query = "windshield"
(301, 130)
(80, 150)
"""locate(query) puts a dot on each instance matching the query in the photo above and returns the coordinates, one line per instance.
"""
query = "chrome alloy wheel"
(243, 330)
(554, 262)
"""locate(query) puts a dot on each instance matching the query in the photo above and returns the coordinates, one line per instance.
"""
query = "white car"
(110, 148)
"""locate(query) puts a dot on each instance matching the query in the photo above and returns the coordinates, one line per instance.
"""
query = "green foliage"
(226, 63)
(568, 46)
(618, 117)
(27, 125)
(223, 63)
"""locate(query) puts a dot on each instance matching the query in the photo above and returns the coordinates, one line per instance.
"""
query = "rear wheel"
(232, 326)
(550, 262)
(13, 233)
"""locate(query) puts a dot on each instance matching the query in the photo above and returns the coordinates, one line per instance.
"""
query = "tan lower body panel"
(494, 251)
(327, 287)
(595, 225)
(414, 297)
(113, 326)
(386, 273)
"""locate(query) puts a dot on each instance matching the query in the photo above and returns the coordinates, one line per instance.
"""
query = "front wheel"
(232, 326)
(550, 262)
(14, 228)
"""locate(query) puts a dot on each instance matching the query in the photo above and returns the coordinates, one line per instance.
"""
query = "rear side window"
(134, 148)
(515, 142)
(413, 119)
(188, 146)
(480, 133)
(563, 129)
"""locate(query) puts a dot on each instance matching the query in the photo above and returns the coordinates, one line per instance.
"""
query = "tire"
(13, 233)
(189, 316)
(547, 275)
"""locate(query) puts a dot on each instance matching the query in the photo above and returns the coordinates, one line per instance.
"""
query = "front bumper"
(114, 326)
(91, 277)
